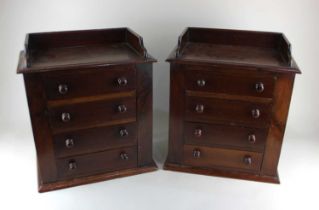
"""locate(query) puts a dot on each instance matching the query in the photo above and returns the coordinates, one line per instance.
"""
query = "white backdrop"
(159, 22)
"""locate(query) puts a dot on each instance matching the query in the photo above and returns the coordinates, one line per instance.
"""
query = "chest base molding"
(45, 187)
(221, 173)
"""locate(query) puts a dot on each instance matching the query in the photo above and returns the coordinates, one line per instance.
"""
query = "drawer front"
(106, 161)
(61, 85)
(83, 115)
(200, 109)
(214, 157)
(252, 139)
(95, 139)
(210, 81)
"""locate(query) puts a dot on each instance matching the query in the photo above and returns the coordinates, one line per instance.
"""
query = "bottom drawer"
(210, 157)
(105, 161)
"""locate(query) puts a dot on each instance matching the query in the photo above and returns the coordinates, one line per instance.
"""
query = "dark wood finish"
(90, 102)
(175, 154)
(95, 178)
(144, 113)
(229, 103)
(95, 139)
(96, 82)
(219, 135)
(267, 50)
(221, 172)
(211, 81)
(95, 163)
(283, 93)
(40, 127)
(76, 49)
(227, 111)
(219, 157)
(81, 116)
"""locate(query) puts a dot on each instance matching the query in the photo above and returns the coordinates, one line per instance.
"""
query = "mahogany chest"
(90, 100)
(230, 92)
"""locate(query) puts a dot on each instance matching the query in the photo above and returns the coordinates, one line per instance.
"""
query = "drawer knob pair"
(122, 81)
(66, 117)
(259, 87)
(123, 132)
(121, 108)
(248, 160)
(201, 83)
(72, 165)
(63, 89)
(196, 153)
(123, 156)
(199, 108)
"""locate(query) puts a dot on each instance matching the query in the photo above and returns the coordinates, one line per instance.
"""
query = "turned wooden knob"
(198, 132)
(122, 108)
(123, 132)
(63, 89)
(199, 108)
(201, 83)
(255, 113)
(248, 160)
(72, 165)
(122, 81)
(252, 138)
(259, 87)
(65, 117)
(69, 143)
(196, 153)
(124, 156)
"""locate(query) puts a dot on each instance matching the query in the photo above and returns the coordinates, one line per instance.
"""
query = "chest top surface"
(245, 49)
(86, 48)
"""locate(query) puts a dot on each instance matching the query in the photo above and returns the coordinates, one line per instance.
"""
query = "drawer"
(95, 139)
(61, 85)
(91, 164)
(210, 81)
(208, 157)
(200, 109)
(203, 134)
(91, 114)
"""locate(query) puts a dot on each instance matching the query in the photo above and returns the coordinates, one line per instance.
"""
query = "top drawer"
(61, 85)
(210, 81)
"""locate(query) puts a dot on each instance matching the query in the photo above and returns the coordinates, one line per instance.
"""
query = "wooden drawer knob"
(252, 138)
(124, 156)
(248, 160)
(69, 143)
(123, 132)
(198, 132)
(63, 89)
(122, 81)
(72, 165)
(196, 153)
(259, 87)
(122, 108)
(201, 83)
(199, 108)
(65, 117)
(255, 113)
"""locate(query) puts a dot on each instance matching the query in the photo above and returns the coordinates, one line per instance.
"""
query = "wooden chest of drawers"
(229, 99)
(90, 102)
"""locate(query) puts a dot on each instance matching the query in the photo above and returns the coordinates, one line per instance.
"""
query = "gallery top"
(250, 49)
(87, 48)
